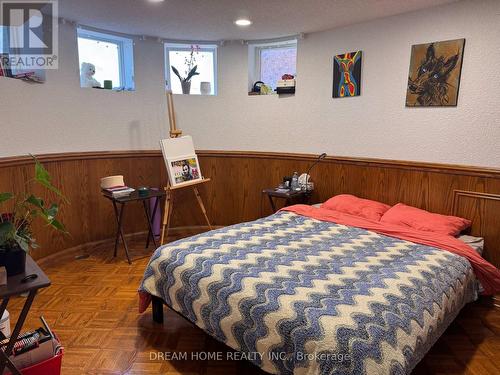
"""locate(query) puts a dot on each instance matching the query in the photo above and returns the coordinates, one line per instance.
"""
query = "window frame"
(256, 50)
(125, 55)
(185, 47)
(3, 32)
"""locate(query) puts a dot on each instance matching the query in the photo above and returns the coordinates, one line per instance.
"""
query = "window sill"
(196, 95)
(258, 94)
(274, 94)
(111, 90)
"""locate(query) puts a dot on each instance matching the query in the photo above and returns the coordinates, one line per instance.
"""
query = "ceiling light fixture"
(243, 22)
(156, 1)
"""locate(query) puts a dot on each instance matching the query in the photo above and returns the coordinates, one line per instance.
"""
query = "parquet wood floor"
(92, 305)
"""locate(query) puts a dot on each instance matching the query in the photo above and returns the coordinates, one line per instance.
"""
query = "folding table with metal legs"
(15, 287)
(119, 208)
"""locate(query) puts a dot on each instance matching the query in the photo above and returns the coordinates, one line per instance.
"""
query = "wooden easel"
(174, 132)
(169, 190)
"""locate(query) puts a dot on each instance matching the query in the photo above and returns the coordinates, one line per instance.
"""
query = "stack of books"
(118, 191)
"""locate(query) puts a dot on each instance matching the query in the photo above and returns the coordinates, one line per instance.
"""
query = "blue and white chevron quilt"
(303, 296)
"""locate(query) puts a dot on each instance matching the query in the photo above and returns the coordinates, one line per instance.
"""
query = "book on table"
(118, 191)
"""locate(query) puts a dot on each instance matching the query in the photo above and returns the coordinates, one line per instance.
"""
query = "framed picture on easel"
(183, 169)
(181, 160)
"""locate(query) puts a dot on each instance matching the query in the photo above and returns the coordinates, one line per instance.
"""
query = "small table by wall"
(134, 197)
(15, 287)
(289, 196)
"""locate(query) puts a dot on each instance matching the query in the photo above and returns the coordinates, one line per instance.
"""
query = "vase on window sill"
(186, 87)
(205, 88)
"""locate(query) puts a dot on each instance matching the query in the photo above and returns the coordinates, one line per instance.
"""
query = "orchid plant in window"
(190, 71)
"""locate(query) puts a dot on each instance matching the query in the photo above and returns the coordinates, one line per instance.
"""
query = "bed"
(298, 295)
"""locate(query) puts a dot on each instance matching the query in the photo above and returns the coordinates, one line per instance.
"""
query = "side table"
(134, 197)
(289, 196)
(15, 286)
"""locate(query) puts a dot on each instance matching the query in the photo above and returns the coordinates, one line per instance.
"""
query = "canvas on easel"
(181, 160)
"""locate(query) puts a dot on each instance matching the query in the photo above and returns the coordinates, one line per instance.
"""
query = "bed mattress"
(303, 296)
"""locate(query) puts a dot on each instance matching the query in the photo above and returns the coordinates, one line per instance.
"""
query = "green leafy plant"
(15, 227)
(190, 74)
(190, 64)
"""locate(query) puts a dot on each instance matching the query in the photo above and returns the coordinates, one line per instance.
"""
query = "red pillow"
(416, 218)
(349, 204)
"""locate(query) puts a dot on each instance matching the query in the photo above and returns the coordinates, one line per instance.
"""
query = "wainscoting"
(234, 195)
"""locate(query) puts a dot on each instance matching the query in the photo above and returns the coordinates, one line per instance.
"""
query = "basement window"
(183, 58)
(268, 62)
(112, 57)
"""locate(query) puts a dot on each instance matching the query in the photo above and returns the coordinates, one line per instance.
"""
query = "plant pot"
(186, 87)
(13, 259)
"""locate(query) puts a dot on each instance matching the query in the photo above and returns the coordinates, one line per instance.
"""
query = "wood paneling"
(92, 306)
(483, 209)
(234, 195)
(88, 216)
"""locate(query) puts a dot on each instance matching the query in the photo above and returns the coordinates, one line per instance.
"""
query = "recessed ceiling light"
(156, 1)
(243, 22)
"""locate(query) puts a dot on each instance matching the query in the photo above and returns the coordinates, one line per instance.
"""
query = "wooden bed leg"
(157, 305)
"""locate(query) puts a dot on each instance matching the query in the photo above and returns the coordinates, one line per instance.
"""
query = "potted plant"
(16, 237)
(190, 71)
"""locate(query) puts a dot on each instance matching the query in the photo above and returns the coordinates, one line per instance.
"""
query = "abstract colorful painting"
(347, 75)
(434, 77)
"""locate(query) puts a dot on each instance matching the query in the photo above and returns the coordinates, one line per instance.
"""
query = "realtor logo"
(30, 33)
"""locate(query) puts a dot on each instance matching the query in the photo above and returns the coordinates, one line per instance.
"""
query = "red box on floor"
(51, 366)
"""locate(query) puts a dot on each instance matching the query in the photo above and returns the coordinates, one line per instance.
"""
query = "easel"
(169, 190)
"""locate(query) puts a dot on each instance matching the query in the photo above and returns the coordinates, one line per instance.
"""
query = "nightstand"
(290, 197)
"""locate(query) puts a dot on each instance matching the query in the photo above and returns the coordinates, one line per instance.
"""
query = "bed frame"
(157, 305)
(476, 206)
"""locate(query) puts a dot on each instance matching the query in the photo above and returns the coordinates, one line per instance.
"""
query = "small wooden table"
(122, 201)
(289, 196)
(16, 287)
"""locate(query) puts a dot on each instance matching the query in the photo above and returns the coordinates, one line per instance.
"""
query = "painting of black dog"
(435, 69)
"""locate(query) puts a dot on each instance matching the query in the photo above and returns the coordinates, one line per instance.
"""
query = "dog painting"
(434, 77)
(347, 75)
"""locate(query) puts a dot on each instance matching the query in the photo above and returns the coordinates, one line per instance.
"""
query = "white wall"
(59, 116)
